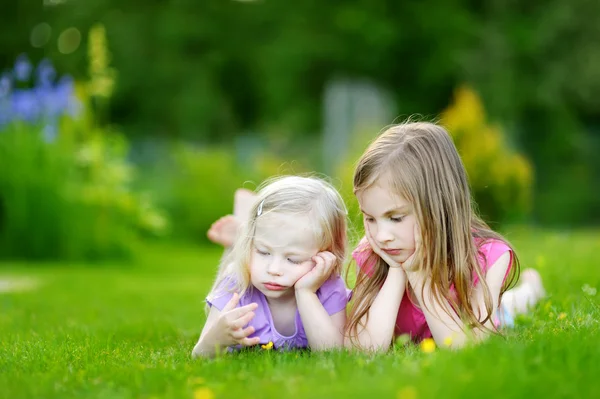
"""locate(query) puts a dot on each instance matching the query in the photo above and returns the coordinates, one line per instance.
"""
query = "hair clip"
(259, 210)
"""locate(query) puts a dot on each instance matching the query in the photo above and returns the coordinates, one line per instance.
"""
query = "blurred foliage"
(212, 70)
(71, 198)
(66, 184)
(344, 175)
(500, 178)
(196, 185)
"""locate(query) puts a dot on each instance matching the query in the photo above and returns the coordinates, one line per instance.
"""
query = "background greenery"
(219, 72)
(126, 126)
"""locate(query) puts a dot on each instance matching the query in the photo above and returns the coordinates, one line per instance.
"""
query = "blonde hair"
(421, 164)
(310, 197)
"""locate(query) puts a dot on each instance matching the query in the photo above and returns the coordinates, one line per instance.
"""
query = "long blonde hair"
(421, 164)
(310, 197)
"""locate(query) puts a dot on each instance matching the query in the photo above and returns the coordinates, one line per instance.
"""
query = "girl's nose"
(274, 267)
(383, 236)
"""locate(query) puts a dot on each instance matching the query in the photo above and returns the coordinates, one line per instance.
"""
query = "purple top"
(333, 294)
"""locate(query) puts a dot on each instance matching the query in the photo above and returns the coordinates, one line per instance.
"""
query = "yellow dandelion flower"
(448, 341)
(268, 346)
(428, 345)
(562, 316)
(408, 392)
(203, 393)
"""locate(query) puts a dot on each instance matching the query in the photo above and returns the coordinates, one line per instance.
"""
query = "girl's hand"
(411, 264)
(229, 327)
(382, 254)
(314, 279)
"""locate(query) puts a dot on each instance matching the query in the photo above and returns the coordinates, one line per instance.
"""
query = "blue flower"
(5, 85)
(22, 68)
(45, 73)
(44, 103)
(25, 105)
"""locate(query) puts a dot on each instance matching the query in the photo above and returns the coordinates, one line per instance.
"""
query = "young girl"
(280, 284)
(428, 266)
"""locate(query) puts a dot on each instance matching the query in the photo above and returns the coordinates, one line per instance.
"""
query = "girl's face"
(389, 219)
(281, 254)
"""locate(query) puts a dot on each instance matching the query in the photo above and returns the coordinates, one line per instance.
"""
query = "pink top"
(411, 319)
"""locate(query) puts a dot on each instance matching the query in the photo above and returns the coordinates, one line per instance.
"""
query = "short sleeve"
(221, 295)
(334, 295)
(491, 251)
(365, 258)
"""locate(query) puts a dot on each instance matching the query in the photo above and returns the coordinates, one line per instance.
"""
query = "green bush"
(70, 198)
(501, 179)
(201, 182)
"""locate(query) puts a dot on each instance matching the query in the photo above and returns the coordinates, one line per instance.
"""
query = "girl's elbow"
(200, 352)
(332, 344)
(196, 353)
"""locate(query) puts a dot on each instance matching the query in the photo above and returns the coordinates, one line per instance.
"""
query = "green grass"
(126, 331)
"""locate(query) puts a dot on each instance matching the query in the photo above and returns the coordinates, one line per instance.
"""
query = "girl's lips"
(392, 251)
(274, 287)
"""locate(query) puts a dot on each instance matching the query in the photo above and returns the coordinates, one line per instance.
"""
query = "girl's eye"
(295, 262)
(264, 253)
(397, 219)
(369, 219)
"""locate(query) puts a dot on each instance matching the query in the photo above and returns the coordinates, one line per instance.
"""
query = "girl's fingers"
(233, 302)
(327, 257)
(329, 261)
(242, 321)
(245, 319)
(242, 333)
(319, 261)
(250, 341)
(241, 311)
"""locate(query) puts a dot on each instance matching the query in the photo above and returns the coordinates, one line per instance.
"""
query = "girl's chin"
(403, 256)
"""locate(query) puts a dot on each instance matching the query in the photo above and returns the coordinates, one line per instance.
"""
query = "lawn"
(127, 330)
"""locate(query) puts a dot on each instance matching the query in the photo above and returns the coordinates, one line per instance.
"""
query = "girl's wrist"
(397, 271)
(304, 293)
(415, 278)
(304, 290)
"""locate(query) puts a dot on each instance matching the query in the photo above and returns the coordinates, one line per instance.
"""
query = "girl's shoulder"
(224, 291)
(490, 250)
(334, 294)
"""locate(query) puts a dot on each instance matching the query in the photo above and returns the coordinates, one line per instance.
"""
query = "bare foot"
(224, 230)
(242, 203)
(526, 295)
(534, 280)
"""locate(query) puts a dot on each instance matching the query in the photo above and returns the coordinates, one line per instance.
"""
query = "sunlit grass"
(126, 331)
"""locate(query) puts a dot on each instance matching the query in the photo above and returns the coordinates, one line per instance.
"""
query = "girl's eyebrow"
(400, 209)
(289, 253)
(391, 211)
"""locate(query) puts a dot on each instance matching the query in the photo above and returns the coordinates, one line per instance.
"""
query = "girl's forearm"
(444, 323)
(381, 318)
(321, 332)
(207, 345)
